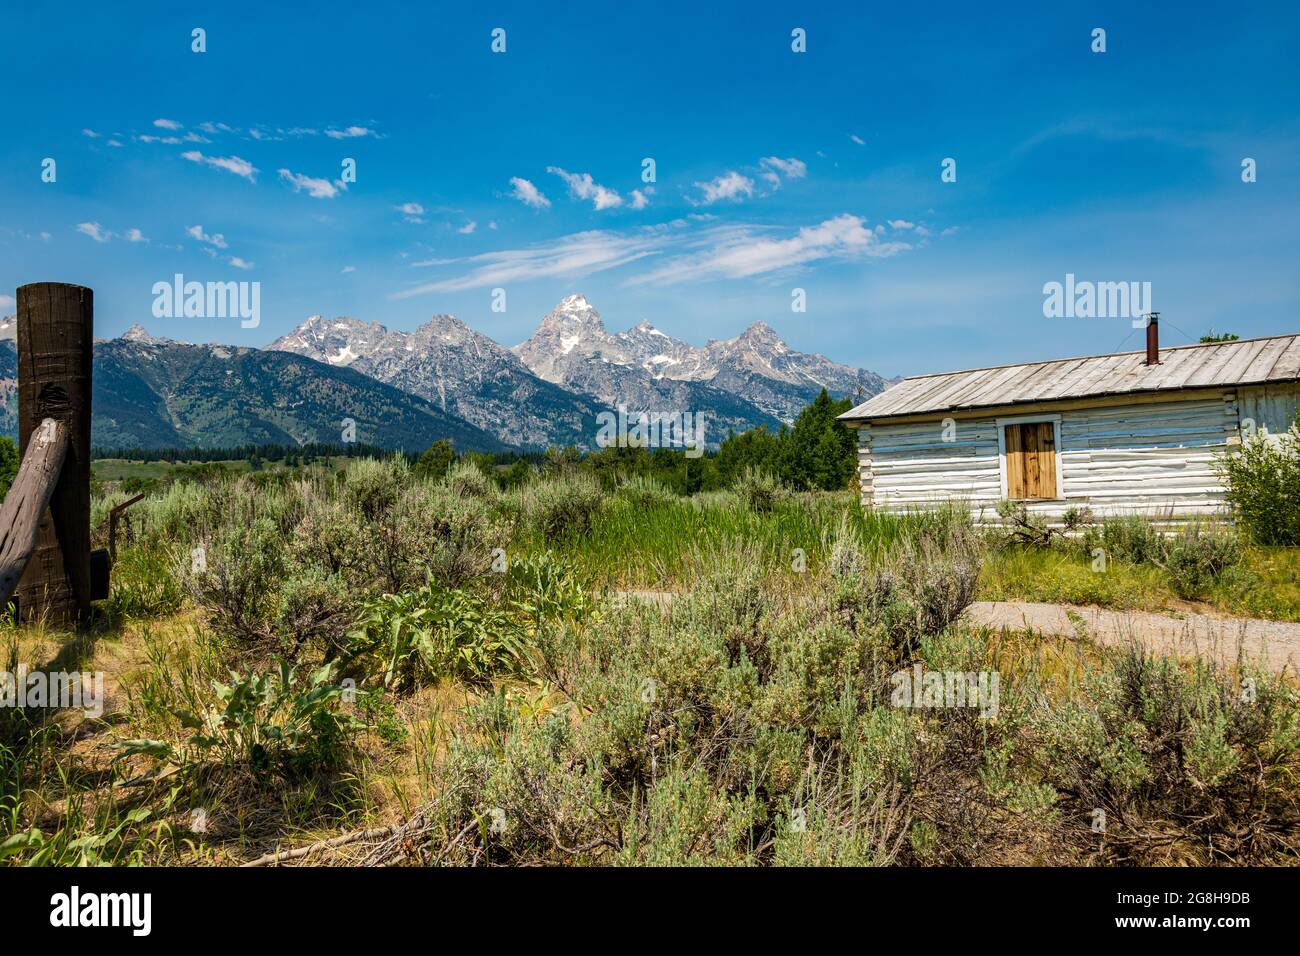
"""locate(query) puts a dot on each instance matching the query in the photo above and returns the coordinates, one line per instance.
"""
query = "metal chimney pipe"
(1153, 338)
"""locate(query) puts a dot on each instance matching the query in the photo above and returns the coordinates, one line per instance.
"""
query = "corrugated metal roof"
(1244, 362)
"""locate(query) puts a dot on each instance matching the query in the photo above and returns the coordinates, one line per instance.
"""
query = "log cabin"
(1127, 433)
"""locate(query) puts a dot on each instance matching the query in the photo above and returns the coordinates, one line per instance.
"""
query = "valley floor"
(436, 672)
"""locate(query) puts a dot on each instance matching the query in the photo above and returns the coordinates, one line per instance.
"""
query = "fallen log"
(283, 856)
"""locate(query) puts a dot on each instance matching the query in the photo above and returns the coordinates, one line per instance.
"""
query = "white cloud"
(730, 186)
(901, 224)
(582, 186)
(528, 194)
(216, 239)
(168, 124)
(468, 228)
(90, 133)
(351, 132)
(412, 212)
(316, 188)
(165, 140)
(682, 251)
(231, 164)
(95, 231)
(135, 235)
(346, 269)
(492, 225)
(789, 168)
(570, 256)
(641, 199)
(7, 302)
(113, 142)
(740, 252)
(857, 139)
(239, 263)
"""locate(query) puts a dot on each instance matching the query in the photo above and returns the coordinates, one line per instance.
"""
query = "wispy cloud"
(528, 194)
(729, 186)
(216, 239)
(582, 186)
(231, 164)
(168, 124)
(412, 212)
(468, 228)
(239, 263)
(90, 134)
(737, 252)
(7, 302)
(95, 231)
(351, 132)
(316, 188)
(857, 139)
(570, 256)
(682, 253)
(346, 269)
(774, 167)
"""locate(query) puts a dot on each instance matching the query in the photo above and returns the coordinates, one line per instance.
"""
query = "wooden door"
(1031, 460)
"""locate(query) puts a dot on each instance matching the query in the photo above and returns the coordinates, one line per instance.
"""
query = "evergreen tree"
(820, 452)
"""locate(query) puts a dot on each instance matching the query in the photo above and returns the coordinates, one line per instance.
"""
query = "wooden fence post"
(55, 342)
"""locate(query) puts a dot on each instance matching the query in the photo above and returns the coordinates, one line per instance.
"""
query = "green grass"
(1267, 585)
(669, 546)
(119, 469)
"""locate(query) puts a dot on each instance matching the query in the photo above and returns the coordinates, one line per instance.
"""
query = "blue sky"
(774, 170)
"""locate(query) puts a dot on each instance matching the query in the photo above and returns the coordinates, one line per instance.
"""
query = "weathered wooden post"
(55, 342)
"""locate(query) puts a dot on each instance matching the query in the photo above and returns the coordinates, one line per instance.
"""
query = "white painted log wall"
(1143, 458)
(1271, 407)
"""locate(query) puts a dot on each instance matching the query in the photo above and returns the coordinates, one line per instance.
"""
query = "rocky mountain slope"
(442, 379)
(572, 348)
(460, 370)
(158, 393)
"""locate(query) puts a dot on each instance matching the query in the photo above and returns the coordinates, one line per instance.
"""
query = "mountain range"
(440, 380)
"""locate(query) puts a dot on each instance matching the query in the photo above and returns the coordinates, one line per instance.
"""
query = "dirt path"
(1274, 643)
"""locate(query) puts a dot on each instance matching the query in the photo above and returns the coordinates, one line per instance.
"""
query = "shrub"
(466, 480)
(242, 566)
(923, 585)
(1197, 558)
(430, 532)
(644, 492)
(1263, 486)
(729, 729)
(563, 506)
(374, 486)
(760, 491)
(1132, 538)
(1187, 766)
